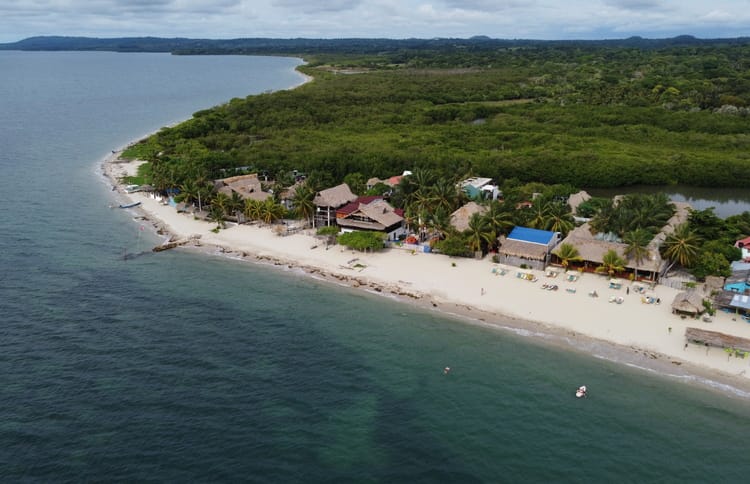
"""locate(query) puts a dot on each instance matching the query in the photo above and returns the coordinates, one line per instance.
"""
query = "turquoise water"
(186, 367)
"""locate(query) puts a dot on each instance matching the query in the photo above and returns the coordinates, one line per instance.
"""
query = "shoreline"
(635, 334)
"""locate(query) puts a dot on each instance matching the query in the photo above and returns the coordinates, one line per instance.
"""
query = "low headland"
(631, 332)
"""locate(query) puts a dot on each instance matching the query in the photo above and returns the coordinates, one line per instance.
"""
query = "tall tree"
(303, 202)
(637, 246)
(681, 246)
(480, 233)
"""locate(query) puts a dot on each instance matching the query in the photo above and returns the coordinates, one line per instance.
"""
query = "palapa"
(714, 338)
(688, 302)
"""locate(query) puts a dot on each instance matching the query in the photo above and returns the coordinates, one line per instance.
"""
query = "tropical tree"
(252, 209)
(356, 182)
(480, 233)
(270, 211)
(303, 202)
(538, 219)
(216, 214)
(236, 204)
(498, 217)
(559, 218)
(637, 245)
(611, 263)
(681, 246)
(567, 253)
(222, 201)
(188, 192)
(445, 195)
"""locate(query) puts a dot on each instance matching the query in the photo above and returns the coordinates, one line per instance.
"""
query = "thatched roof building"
(688, 302)
(460, 218)
(328, 200)
(576, 199)
(714, 338)
(334, 197)
(378, 215)
(246, 186)
(592, 250)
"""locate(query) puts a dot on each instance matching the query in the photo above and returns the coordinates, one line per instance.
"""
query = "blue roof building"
(534, 236)
(529, 247)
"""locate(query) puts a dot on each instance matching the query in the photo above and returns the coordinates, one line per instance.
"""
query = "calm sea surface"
(180, 367)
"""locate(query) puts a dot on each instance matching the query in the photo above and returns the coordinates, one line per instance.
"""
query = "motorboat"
(581, 391)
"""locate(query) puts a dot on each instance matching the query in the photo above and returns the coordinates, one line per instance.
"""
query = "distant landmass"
(350, 46)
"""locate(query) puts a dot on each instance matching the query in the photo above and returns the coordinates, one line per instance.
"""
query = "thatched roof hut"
(460, 218)
(688, 302)
(334, 197)
(714, 338)
(246, 186)
(576, 199)
(592, 250)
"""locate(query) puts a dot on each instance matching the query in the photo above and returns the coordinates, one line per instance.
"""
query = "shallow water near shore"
(180, 366)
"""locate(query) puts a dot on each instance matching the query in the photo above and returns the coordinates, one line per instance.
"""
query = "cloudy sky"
(507, 19)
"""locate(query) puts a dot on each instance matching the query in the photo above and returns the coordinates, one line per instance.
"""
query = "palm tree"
(216, 213)
(303, 202)
(480, 233)
(559, 218)
(538, 216)
(603, 219)
(637, 246)
(222, 201)
(252, 209)
(270, 211)
(445, 195)
(236, 204)
(611, 263)
(681, 246)
(188, 192)
(500, 220)
(567, 253)
(439, 223)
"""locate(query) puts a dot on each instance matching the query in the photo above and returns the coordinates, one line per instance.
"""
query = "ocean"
(188, 367)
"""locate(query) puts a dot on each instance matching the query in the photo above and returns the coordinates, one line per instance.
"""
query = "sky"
(397, 19)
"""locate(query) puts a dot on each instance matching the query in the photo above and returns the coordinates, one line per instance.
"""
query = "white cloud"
(539, 19)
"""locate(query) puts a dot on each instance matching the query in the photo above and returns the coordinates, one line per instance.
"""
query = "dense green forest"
(587, 116)
(538, 119)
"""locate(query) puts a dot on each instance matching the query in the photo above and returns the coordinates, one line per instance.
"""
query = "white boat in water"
(581, 391)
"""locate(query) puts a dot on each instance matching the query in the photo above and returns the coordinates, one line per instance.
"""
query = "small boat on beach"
(130, 205)
(581, 391)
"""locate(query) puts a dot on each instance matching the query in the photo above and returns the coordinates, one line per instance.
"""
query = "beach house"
(377, 215)
(328, 201)
(527, 246)
(246, 186)
(478, 188)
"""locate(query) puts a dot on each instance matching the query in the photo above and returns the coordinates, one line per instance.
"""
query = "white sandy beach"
(471, 288)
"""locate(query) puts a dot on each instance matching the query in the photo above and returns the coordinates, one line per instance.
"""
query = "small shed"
(688, 303)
